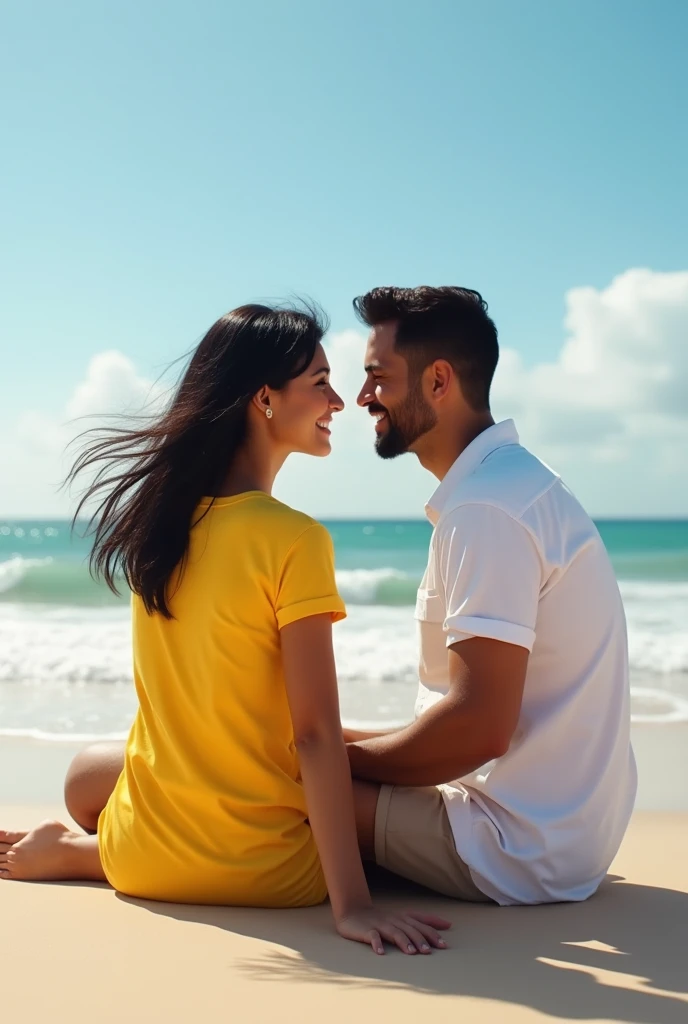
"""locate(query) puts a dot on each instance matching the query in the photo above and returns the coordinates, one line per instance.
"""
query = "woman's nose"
(336, 402)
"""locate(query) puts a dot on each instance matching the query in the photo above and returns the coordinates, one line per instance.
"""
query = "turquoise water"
(65, 646)
(380, 562)
(639, 549)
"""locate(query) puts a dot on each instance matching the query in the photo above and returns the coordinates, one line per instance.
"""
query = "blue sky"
(167, 161)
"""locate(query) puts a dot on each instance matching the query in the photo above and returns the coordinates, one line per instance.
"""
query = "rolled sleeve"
(307, 580)
(316, 606)
(491, 572)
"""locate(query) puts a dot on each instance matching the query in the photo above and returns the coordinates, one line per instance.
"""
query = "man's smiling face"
(393, 394)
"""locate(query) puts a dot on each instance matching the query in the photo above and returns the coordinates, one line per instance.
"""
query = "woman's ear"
(261, 400)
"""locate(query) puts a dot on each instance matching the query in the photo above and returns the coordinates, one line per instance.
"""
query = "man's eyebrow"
(323, 369)
(372, 366)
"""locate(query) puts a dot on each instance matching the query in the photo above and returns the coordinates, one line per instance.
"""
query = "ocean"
(65, 653)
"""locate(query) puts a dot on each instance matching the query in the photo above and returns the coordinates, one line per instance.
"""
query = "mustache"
(376, 407)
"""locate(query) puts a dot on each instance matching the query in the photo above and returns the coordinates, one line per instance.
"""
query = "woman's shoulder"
(293, 533)
(290, 522)
(259, 517)
(270, 519)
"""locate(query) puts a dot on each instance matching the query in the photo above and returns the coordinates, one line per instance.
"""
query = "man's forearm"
(442, 745)
(356, 735)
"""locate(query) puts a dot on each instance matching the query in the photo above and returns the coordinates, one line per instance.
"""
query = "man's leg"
(406, 830)
(365, 805)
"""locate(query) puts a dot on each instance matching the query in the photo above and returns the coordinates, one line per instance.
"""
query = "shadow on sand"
(620, 956)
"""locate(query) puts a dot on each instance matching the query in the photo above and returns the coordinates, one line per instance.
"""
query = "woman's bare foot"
(50, 852)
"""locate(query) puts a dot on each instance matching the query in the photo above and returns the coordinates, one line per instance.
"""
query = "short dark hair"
(439, 323)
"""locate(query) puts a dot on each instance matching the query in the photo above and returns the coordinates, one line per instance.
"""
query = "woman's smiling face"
(302, 411)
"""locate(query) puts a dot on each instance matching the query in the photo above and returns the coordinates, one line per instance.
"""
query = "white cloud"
(111, 385)
(620, 382)
(34, 455)
(610, 412)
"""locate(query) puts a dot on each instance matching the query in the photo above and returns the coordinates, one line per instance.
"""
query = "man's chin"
(387, 449)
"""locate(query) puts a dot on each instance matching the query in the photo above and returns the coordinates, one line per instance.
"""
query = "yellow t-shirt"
(210, 806)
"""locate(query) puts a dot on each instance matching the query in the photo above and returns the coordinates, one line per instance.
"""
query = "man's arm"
(355, 735)
(472, 725)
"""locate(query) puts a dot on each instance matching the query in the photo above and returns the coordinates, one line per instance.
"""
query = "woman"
(235, 786)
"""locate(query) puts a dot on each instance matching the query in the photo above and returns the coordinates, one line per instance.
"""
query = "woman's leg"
(90, 781)
(52, 851)
(49, 853)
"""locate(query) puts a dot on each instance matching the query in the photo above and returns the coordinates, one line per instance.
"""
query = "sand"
(80, 952)
(32, 770)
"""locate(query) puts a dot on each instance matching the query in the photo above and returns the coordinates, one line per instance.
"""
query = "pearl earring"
(268, 413)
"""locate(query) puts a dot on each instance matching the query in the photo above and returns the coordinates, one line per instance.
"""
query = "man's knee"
(90, 780)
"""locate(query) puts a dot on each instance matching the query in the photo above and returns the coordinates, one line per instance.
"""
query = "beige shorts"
(413, 838)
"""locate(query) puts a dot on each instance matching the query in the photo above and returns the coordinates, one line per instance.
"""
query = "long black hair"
(149, 480)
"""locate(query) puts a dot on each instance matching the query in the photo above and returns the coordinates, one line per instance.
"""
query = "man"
(516, 781)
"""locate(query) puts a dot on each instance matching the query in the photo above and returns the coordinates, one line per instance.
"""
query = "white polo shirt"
(514, 557)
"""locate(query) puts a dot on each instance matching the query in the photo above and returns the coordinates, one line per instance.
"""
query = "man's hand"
(472, 725)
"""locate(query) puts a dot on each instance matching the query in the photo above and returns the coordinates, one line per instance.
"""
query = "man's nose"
(365, 395)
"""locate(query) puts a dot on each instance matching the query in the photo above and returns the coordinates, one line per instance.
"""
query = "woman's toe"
(10, 838)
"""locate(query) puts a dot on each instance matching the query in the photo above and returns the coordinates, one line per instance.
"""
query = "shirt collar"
(497, 436)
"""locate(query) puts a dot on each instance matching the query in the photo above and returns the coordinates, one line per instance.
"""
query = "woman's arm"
(311, 683)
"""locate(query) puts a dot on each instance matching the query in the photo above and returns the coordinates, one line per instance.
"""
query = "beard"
(412, 418)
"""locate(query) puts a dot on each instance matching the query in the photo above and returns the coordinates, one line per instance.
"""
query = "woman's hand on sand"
(411, 932)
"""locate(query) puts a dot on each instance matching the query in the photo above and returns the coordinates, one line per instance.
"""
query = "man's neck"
(440, 448)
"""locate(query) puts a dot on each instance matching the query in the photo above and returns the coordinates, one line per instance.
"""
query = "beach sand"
(80, 952)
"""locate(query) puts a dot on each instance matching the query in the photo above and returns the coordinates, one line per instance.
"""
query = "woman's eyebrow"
(323, 369)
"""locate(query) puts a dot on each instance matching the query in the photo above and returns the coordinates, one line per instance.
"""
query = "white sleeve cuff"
(460, 627)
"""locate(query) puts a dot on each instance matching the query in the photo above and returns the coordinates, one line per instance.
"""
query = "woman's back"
(233, 659)
(210, 807)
